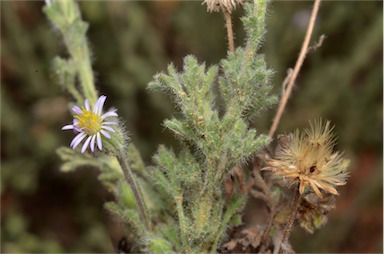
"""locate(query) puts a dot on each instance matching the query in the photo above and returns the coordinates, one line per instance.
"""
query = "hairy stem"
(228, 23)
(296, 70)
(85, 75)
(182, 222)
(122, 159)
(291, 219)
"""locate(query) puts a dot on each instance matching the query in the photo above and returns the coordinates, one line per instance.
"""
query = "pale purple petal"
(108, 114)
(76, 141)
(77, 130)
(77, 110)
(76, 125)
(86, 103)
(67, 127)
(110, 123)
(107, 128)
(99, 105)
(92, 145)
(106, 134)
(99, 144)
(85, 144)
(77, 137)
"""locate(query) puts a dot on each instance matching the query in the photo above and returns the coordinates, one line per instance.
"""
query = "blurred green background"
(45, 211)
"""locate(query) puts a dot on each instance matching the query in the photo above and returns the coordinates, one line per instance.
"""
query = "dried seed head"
(313, 211)
(222, 5)
(307, 158)
(320, 134)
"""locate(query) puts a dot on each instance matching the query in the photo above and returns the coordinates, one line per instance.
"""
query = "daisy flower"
(90, 124)
(307, 158)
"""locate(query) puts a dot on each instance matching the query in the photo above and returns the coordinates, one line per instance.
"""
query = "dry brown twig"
(293, 75)
(287, 89)
(296, 70)
(228, 22)
(287, 86)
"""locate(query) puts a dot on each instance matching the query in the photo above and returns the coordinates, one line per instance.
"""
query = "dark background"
(44, 210)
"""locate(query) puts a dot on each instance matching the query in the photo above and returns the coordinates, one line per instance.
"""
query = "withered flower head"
(222, 5)
(308, 158)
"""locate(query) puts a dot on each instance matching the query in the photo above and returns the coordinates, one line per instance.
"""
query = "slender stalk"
(72, 89)
(86, 76)
(182, 222)
(263, 185)
(228, 23)
(121, 158)
(67, 19)
(264, 239)
(295, 72)
(291, 219)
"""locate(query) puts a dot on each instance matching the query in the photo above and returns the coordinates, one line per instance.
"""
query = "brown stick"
(299, 63)
(267, 229)
(228, 22)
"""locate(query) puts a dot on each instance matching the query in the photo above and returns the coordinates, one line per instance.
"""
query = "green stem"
(71, 88)
(122, 159)
(182, 222)
(86, 74)
(66, 16)
(235, 205)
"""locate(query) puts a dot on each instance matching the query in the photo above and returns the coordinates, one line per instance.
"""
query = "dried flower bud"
(313, 211)
(222, 5)
(307, 158)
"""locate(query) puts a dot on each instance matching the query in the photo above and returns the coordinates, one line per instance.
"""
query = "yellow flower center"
(89, 122)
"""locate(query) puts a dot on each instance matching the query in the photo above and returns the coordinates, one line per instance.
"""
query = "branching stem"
(296, 70)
